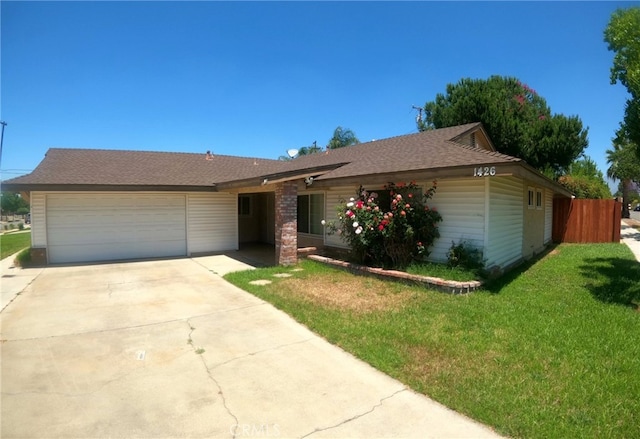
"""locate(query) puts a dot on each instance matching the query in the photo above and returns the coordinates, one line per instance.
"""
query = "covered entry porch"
(267, 219)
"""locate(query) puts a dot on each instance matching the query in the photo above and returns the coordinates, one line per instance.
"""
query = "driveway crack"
(200, 351)
(121, 328)
(353, 418)
(250, 354)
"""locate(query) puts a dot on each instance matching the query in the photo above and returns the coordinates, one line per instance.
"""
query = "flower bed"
(447, 286)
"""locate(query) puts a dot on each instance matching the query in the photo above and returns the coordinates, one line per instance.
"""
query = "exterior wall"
(503, 245)
(306, 240)
(533, 230)
(548, 216)
(475, 140)
(286, 223)
(461, 203)
(490, 213)
(38, 220)
(211, 222)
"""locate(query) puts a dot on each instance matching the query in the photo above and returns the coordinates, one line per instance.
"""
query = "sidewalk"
(631, 236)
(14, 279)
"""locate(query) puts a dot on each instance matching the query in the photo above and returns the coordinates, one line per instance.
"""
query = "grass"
(443, 271)
(548, 351)
(13, 242)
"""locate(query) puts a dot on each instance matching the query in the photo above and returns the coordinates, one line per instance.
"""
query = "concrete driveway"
(160, 349)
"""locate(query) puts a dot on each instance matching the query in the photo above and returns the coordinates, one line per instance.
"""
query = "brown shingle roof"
(426, 150)
(116, 167)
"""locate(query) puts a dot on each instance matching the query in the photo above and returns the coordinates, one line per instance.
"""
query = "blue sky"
(256, 79)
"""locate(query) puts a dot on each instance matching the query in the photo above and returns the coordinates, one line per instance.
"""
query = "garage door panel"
(91, 227)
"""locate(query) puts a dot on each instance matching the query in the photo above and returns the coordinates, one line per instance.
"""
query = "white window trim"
(541, 205)
(324, 207)
(531, 198)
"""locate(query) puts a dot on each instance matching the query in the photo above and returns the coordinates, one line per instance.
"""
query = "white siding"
(212, 222)
(38, 222)
(332, 199)
(461, 203)
(505, 221)
(548, 215)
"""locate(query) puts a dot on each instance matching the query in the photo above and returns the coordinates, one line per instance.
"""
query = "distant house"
(91, 205)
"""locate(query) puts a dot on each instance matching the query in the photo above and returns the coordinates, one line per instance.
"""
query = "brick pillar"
(286, 223)
(39, 256)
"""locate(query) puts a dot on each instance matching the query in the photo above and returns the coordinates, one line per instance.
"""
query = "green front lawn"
(13, 242)
(549, 351)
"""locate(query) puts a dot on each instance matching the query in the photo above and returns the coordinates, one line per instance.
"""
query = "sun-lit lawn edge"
(11, 243)
(547, 351)
(443, 271)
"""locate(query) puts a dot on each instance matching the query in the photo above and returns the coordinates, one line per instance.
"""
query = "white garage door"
(99, 227)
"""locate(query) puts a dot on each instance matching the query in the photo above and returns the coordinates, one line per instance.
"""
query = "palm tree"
(342, 137)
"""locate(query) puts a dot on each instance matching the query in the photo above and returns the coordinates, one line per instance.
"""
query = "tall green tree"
(622, 36)
(342, 137)
(11, 202)
(624, 165)
(585, 180)
(517, 119)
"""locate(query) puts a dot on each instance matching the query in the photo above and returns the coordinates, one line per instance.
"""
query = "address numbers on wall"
(484, 171)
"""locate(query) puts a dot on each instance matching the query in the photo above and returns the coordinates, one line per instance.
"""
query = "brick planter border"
(446, 286)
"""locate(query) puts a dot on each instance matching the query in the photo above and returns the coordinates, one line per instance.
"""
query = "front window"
(244, 205)
(311, 214)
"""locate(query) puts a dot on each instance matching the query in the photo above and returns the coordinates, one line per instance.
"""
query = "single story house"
(91, 205)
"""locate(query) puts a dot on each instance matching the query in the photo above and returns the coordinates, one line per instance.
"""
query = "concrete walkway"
(631, 236)
(14, 279)
(167, 348)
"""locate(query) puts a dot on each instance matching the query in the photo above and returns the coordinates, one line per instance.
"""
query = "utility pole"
(419, 116)
(4, 124)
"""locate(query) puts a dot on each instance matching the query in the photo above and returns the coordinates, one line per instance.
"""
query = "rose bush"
(389, 235)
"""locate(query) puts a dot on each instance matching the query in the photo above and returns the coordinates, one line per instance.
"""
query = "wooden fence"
(580, 220)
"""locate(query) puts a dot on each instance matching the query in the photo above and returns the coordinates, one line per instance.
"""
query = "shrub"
(20, 226)
(464, 255)
(23, 258)
(389, 236)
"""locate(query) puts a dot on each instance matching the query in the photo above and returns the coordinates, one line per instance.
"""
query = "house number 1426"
(484, 171)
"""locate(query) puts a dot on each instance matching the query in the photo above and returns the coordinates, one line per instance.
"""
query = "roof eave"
(278, 177)
(462, 171)
(57, 187)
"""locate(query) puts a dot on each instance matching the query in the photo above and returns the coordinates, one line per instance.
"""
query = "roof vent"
(473, 140)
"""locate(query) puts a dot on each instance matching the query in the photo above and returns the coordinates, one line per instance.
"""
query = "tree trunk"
(626, 186)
